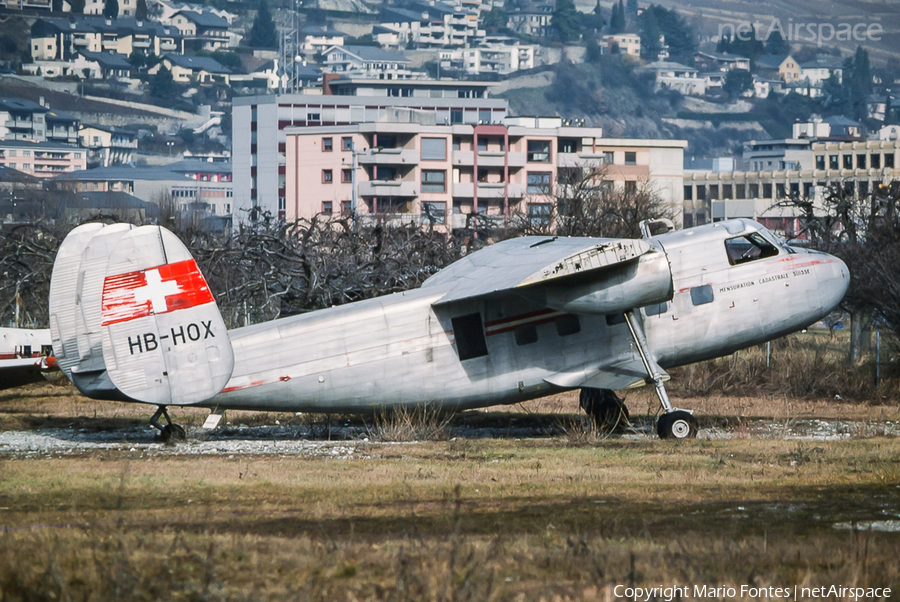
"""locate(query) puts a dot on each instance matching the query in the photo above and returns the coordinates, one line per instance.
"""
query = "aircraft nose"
(834, 285)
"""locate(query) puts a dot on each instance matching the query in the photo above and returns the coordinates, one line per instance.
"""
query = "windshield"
(750, 247)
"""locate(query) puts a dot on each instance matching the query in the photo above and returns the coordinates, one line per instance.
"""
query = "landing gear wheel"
(606, 409)
(173, 432)
(169, 433)
(677, 424)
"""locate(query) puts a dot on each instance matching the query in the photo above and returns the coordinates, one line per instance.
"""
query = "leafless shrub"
(422, 423)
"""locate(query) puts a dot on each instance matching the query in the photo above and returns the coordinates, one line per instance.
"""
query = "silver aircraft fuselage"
(402, 349)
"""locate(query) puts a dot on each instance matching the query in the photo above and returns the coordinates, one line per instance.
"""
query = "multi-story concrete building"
(857, 167)
(259, 139)
(367, 62)
(429, 25)
(489, 58)
(408, 88)
(107, 145)
(42, 159)
(198, 186)
(413, 172)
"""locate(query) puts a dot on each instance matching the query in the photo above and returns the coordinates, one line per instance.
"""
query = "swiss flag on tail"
(158, 290)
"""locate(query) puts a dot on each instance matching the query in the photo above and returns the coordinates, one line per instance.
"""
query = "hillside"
(708, 17)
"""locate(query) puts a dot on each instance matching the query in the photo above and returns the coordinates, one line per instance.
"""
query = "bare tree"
(864, 231)
(585, 201)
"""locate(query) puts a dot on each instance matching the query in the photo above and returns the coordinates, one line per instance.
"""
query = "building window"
(889, 161)
(689, 193)
(753, 191)
(740, 191)
(539, 214)
(434, 213)
(434, 180)
(820, 161)
(538, 182)
(714, 192)
(346, 176)
(848, 161)
(860, 161)
(347, 143)
(326, 145)
(434, 149)
(767, 191)
(346, 207)
(327, 177)
(630, 187)
(538, 151)
(863, 188)
(326, 207)
(609, 157)
(568, 145)
(779, 191)
(456, 143)
(833, 162)
(876, 161)
(482, 144)
(456, 116)
(630, 158)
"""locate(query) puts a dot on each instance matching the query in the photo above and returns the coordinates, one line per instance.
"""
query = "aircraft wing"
(621, 373)
(577, 275)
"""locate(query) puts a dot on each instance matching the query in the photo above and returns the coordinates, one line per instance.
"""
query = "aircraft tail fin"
(146, 324)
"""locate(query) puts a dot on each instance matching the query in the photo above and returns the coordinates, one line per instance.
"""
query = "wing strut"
(673, 423)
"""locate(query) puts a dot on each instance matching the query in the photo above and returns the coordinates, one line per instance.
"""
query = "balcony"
(493, 190)
(491, 158)
(389, 188)
(389, 156)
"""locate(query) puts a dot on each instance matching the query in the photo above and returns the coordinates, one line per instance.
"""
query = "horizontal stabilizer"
(164, 340)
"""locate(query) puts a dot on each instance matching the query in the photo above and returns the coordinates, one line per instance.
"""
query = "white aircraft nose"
(835, 287)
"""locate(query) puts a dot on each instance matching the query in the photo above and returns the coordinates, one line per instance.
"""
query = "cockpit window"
(749, 248)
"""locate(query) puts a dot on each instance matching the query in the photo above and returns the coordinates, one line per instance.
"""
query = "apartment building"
(414, 173)
(42, 159)
(259, 138)
(429, 25)
(107, 145)
(55, 39)
(501, 59)
(858, 167)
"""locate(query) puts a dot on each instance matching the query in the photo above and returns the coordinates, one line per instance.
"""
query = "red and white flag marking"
(158, 290)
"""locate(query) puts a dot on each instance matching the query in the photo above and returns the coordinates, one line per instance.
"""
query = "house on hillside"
(675, 76)
(314, 40)
(623, 43)
(202, 30)
(532, 19)
(107, 145)
(187, 69)
(720, 61)
(785, 68)
(55, 39)
(367, 62)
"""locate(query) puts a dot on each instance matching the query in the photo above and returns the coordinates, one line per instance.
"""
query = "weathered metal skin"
(532, 316)
(399, 350)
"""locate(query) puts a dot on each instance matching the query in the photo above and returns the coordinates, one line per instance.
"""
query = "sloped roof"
(57, 115)
(205, 19)
(197, 63)
(321, 31)
(20, 104)
(770, 61)
(111, 60)
(373, 53)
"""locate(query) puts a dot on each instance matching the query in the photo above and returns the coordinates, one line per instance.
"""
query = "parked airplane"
(133, 319)
(25, 356)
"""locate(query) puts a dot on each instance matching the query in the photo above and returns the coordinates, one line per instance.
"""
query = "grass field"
(564, 517)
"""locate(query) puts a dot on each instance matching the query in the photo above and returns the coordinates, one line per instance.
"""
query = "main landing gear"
(606, 409)
(674, 423)
(169, 432)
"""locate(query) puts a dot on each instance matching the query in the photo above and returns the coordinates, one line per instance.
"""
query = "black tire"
(676, 425)
(172, 433)
(606, 409)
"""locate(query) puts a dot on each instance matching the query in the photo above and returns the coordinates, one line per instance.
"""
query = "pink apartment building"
(417, 173)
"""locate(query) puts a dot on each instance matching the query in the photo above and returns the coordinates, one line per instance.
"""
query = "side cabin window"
(701, 295)
(656, 309)
(749, 248)
(469, 334)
